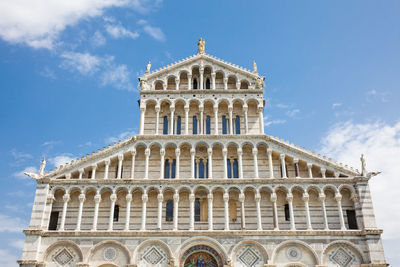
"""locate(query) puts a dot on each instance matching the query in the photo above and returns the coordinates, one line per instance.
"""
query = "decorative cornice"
(204, 91)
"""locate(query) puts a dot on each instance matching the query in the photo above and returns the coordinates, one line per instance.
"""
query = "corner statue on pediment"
(143, 84)
(363, 165)
(202, 46)
(255, 67)
(260, 82)
(148, 66)
(40, 174)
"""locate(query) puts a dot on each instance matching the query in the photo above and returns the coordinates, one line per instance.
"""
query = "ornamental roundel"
(110, 254)
(201, 256)
(293, 254)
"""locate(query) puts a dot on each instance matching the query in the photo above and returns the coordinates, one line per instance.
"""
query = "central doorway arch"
(201, 256)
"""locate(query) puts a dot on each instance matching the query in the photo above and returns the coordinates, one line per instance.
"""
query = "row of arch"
(244, 101)
(228, 256)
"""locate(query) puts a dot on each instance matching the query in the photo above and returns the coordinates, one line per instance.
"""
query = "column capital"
(120, 157)
(189, 75)
(145, 197)
(192, 197)
(241, 197)
(66, 197)
(107, 161)
(309, 165)
(338, 197)
(225, 79)
(274, 197)
(321, 197)
(82, 197)
(186, 108)
(289, 197)
(215, 108)
(147, 152)
(226, 197)
(336, 174)
(94, 166)
(68, 176)
(295, 160)
(213, 74)
(162, 152)
(260, 109)
(133, 152)
(230, 108)
(209, 151)
(113, 197)
(201, 108)
(160, 197)
(172, 108)
(282, 156)
(269, 151)
(245, 108)
(50, 198)
(305, 197)
(210, 196)
(192, 151)
(225, 151)
(177, 152)
(142, 108)
(157, 108)
(81, 171)
(257, 197)
(240, 151)
(97, 198)
(255, 151)
(128, 197)
(176, 197)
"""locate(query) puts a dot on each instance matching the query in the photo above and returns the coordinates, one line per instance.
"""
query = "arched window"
(229, 168)
(208, 125)
(235, 169)
(173, 169)
(201, 169)
(224, 128)
(165, 125)
(194, 83)
(116, 213)
(208, 86)
(166, 169)
(178, 125)
(197, 209)
(169, 211)
(194, 125)
(237, 125)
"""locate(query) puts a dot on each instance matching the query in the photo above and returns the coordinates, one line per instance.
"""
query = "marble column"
(81, 171)
(322, 198)
(94, 167)
(225, 83)
(176, 209)
(283, 164)
(242, 211)
(309, 167)
(201, 109)
(240, 159)
(289, 199)
(210, 162)
(172, 109)
(216, 119)
(177, 165)
(79, 221)
(191, 211)
(160, 198)
(107, 168)
(192, 161)
(162, 161)
(120, 161)
(189, 81)
(177, 84)
(213, 74)
(270, 163)
(97, 199)
(145, 198)
(186, 120)
(306, 198)
(133, 153)
(296, 168)
(261, 119)
(201, 70)
(113, 199)
(237, 85)
(257, 198)
(275, 211)
(157, 118)
(142, 117)
(255, 159)
(226, 211)
(338, 198)
(225, 154)
(66, 199)
(230, 110)
(210, 211)
(128, 199)
(246, 122)
(323, 172)
(146, 172)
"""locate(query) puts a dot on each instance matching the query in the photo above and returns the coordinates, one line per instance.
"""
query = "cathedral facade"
(202, 185)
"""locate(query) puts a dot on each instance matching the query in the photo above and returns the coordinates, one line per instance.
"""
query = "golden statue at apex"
(202, 46)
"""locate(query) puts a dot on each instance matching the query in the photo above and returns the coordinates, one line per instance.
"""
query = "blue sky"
(69, 74)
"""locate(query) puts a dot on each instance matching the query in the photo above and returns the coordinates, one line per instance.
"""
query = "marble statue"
(255, 67)
(363, 168)
(148, 66)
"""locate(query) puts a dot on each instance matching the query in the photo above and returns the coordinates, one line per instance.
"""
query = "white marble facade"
(202, 184)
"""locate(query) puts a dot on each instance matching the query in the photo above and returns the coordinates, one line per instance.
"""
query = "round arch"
(62, 244)
(152, 244)
(243, 247)
(113, 243)
(296, 255)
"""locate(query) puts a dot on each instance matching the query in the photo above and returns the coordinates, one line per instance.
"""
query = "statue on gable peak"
(202, 46)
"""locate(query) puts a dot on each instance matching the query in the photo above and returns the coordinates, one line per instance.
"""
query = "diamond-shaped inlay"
(63, 257)
(341, 257)
(248, 257)
(153, 255)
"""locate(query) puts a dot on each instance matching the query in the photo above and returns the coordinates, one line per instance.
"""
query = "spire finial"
(255, 67)
(202, 46)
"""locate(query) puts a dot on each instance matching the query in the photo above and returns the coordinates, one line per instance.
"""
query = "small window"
(165, 125)
(173, 169)
(194, 125)
(169, 211)
(166, 169)
(195, 169)
(208, 125)
(351, 219)
(237, 125)
(116, 213)
(287, 212)
(201, 169)
(208, 86)
(194, 83)
(224, 128)
(229, 168)
(53, 220)
(235, 168)
(178, 125)
(197, 209)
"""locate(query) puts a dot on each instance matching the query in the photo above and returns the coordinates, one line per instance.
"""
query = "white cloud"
(268, 122)
(48, 73)
(293, 112)
(21, 175)
(380, 143)
(11, 224)
(84, 63)
(121, 136)
(60, 160)
(7, 259)
(39, 23)
(281, 106)
(373, 95)
(18, 243)
(119, 77)
(98, 39)
(155, 32)
(20, 155)
(118, 31)
(336, 105)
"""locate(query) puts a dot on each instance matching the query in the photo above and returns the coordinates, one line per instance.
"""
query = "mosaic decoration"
(64, 257)
(154, 255)
(199, 254)
(293, 254)
(341, 257)
(249, 257)
(110, 254)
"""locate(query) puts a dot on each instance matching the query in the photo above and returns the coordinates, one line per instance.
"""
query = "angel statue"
(143, 84)
(202, 46)
(40, 174)
(255, 67)
(148, 66)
